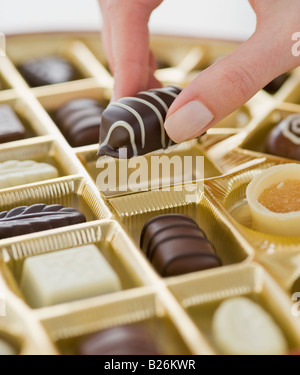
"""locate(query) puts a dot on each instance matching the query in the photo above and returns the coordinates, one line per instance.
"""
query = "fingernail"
(188, 121)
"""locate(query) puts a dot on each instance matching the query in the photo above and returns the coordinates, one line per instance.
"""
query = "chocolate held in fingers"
(284, 139)
(136, 124)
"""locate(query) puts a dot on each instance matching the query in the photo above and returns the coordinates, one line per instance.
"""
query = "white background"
(226, 19)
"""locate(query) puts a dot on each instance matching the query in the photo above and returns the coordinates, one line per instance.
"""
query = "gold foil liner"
(177, 309)
(285, 269)
(200, 296)
(230, 193)
(71, 191)
(141, 306)
(19, 328)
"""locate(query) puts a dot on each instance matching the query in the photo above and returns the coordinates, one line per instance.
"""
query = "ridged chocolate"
(131, 339)
(136, 124)
(284, 139)
(175, 245)
(11, 128)
(47, 71)
(37, 218)
(79, 121)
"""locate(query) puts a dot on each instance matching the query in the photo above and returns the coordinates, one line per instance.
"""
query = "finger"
(130, 48)
(229, 83)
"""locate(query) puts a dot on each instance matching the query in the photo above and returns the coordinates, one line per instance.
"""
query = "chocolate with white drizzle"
(284, 139)
(136, 124)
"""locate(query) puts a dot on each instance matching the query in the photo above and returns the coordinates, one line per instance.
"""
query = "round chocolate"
(136, 123)
(284, 139)
(131, 339)
(276, 83)
(175, 245)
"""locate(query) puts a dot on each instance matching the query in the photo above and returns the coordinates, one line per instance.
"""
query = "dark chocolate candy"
(136, 124)
(47, 71)
(284, 139)
(36, 218)
(11, 129)
(79, 121)
(175, 245)
(133, 339)
(276, 84)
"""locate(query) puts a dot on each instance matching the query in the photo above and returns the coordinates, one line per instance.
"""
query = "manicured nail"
(188, 121)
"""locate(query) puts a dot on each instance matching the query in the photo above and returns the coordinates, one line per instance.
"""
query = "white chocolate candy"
(14, 173)
(242, 327)
(264, 220)
(6, 348)
(67, 275)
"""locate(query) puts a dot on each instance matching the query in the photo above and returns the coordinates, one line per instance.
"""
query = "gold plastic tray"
(179, 309)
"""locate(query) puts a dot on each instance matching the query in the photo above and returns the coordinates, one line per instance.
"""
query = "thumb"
(229, 83)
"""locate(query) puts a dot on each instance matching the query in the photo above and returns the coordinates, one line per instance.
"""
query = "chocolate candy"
(11, 129)
(79, 121)
(131, 339)
(67, 275)
(284, 139)
(135, 125)
(47, 71)
(175, 245)
(36, 218)
(276, 84)
(14, 172)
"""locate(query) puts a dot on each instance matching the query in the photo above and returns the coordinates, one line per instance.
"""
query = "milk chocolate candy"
(47, 71)
(11, 128)
(79, 121)
(175, 245)
(135, 125)
(131, 339)
(14, 172)
(284, 139)
(37, 218)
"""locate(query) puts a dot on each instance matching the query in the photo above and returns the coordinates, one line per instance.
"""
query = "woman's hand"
(220, 89)
(233, 80)
(126, 42)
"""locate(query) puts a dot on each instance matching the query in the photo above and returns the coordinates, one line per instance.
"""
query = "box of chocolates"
(101, 253)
